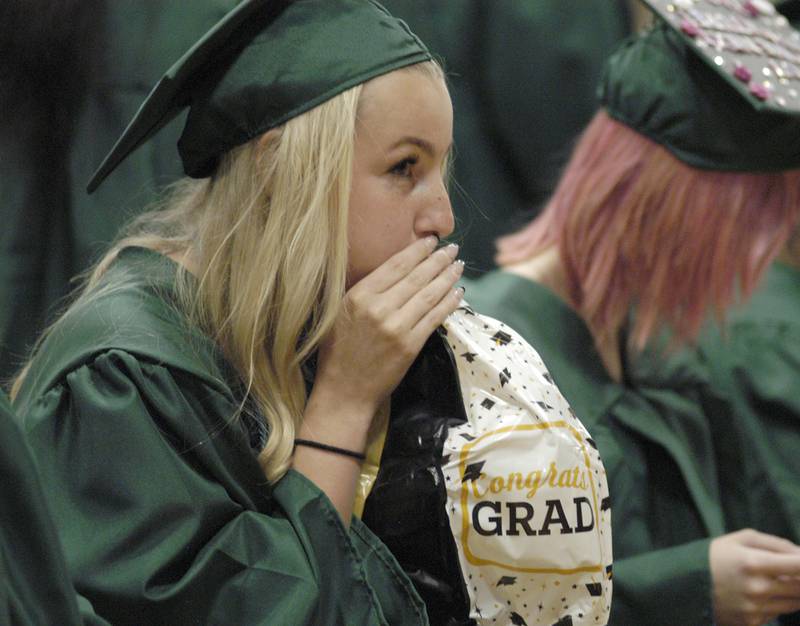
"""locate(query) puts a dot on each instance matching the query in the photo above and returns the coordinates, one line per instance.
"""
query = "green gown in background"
(50, 145)
(657, 451)
(163, 509)
(747, 381)
(35, 588)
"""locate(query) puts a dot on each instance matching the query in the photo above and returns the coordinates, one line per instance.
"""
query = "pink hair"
(636, 227)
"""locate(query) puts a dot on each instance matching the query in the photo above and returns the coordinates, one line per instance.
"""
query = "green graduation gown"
(656, 449)
(747, 381)
(164, 512)
(35, 588)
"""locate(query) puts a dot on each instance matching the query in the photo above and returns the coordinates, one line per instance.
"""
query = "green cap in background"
(716, 82)
(264, 63)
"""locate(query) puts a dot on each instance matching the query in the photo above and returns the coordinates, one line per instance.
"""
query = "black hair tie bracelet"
(324, 446)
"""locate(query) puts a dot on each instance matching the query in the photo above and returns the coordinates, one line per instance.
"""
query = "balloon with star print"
(527, 495)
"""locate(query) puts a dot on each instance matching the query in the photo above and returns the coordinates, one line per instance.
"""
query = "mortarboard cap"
(264, 63)
(716, 82)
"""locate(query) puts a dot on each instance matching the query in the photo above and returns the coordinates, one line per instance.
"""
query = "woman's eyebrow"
(423, 144)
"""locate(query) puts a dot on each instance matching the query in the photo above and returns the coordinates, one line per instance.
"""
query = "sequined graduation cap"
(716, 82)
(264, 63)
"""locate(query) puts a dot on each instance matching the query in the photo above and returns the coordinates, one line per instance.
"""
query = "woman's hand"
(387, 318)
(755, 577)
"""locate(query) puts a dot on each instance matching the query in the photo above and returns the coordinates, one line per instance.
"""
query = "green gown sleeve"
(672, 586)
(661, 569)
(166, 517)
(759, 372)
(35, 587)
(753, 400)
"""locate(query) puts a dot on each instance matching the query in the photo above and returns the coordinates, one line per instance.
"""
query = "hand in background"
(755, 577)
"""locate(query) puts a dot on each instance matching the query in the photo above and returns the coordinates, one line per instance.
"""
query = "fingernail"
(458, 267)
(432, 241)
(460, 291)
(452, 250)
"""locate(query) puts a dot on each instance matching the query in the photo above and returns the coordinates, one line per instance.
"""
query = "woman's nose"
(438, 216)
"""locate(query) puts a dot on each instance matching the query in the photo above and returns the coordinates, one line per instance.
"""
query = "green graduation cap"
(716, 82)
(264, 63)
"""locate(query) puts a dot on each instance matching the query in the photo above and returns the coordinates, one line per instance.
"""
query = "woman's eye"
(405, 167)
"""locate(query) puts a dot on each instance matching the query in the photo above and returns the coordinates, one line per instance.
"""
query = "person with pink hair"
(678, 196)
(743, 372)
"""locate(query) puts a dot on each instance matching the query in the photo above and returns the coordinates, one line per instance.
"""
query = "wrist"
(337, 389)
(324, 447)
(334, 420)
(341, 425)
(330, 432)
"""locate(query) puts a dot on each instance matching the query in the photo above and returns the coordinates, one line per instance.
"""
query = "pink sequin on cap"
(742, 73)
(690, 28)
(760, 91)
(751, 9)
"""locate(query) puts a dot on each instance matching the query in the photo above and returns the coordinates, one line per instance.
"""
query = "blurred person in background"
(744, 374)
(71, 78)
(681, 190)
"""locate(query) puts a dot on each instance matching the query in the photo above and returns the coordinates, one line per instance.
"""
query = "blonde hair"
(266, 238)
